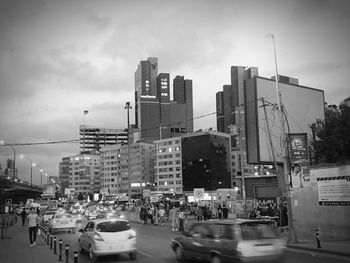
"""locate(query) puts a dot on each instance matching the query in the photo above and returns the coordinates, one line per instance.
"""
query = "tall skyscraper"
(156, 116)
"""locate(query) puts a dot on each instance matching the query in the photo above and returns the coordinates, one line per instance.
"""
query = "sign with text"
(334, 190)
(299, 157)
(49, 190)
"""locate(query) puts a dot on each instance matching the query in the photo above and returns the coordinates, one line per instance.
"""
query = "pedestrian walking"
(33, 221)
(220, 212)
(23, 216)
(173, 217)
(224, 212)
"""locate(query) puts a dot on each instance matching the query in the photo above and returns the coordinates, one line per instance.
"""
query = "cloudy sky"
(59, 58)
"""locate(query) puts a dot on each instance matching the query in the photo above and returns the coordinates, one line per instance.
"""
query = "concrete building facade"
(84, 174)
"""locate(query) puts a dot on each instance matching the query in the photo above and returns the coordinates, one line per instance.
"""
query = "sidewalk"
(15, 247)
(341, 248)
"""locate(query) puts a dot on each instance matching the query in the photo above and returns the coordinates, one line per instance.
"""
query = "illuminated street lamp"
(31, 167)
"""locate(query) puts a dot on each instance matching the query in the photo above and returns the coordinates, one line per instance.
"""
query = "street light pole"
(31, 168)
(128, 107)
(292, 238)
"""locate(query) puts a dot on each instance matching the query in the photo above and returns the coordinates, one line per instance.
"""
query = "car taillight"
(132, 234)
(98, 237)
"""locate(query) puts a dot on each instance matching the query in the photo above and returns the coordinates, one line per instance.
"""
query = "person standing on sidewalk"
(33, 221)
(23, 216)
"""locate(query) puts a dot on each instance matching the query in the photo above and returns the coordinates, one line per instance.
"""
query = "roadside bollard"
(60, 250)
(51, 237)
(75, 256)
(48, 238)
(54, 246)
(67, 253)
(44, 235)
(318, 239)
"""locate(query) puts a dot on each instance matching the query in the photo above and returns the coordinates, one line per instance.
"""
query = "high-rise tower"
(156, 116)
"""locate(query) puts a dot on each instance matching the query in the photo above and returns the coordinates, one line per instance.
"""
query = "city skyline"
(58, 59)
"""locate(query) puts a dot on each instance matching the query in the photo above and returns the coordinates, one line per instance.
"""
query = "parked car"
(62, 222)
(108, 236)
(238, 240)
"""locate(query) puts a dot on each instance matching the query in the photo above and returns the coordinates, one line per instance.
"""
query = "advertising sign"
(299, 157)
(334, 190)
(69, 191)
(146, 193)
(225, 194)
(49, 190)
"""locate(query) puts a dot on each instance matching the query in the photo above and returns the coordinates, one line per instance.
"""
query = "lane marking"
(146, 254)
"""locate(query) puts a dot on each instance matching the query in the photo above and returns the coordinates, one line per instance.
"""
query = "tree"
(330, 142)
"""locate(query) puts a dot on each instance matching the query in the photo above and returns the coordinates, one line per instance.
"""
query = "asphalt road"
(153, 243)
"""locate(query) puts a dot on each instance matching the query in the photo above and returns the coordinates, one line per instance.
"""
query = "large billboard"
(49, 190)
(302, 107)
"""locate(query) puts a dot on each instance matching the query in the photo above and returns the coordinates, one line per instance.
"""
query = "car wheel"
(179, 253)
(92, 255)
(215, 259)
(133, 255)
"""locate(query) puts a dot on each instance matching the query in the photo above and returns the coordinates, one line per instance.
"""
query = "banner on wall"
(299, 158)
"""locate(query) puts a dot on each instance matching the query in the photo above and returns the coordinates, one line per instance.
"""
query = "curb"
(320, 250)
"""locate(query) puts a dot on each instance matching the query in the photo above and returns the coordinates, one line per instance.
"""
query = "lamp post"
(128, 107)
(31, 168)
(14, 157)
(292, 238)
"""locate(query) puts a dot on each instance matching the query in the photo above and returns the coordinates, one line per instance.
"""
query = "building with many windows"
(194, 160)
(84, 174)
(156, 115)
(115, 169)
(168, 165)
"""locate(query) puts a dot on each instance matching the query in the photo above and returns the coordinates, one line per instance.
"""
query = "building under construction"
(93, 138)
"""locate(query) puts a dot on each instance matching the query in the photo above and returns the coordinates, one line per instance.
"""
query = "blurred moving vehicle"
(62, 222)
(108, 236)
(48, 215)
(238, 240)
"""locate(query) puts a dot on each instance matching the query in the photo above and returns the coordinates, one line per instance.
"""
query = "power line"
(42, 143)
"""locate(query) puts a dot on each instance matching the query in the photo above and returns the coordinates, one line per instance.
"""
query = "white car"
(48, 215)
(62, 222)
(108, 236)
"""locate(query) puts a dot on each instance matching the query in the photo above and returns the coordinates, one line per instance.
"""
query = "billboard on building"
(302, 107)
(49, 190)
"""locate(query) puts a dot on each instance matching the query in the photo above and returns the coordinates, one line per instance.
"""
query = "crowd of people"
(159, 214)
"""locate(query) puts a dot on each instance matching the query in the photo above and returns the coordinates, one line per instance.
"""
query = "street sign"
(198, 193)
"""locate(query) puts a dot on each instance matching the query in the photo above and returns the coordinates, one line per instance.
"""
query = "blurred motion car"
(238, 240)
(108, 236)
(62, 222)
(48, 215)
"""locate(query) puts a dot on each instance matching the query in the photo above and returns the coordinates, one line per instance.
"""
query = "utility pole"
(128, 107)
(242, 160)
(292, 238)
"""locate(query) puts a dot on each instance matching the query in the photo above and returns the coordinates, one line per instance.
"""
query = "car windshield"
(113, 226)
(50, 213)
(258, 230)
